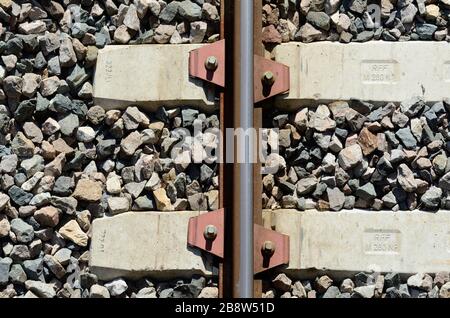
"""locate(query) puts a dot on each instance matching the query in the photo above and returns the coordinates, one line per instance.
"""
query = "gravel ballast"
(354, 21)
(358, 155)
(361, 285)
(65, 161)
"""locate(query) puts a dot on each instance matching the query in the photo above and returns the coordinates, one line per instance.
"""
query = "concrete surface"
(354, 241)
(149, 76)
(146, 244)
(374, 71)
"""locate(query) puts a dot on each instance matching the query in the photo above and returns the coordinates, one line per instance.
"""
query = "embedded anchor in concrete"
(206, 232)
(271, 249)
(270, 78)
(208, 63)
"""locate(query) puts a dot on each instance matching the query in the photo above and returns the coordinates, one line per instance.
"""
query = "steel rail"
(246, 150)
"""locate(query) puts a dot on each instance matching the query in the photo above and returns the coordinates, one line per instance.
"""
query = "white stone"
(31, 83)
(117, 287)
(153, 244)
(132, 75)
(33, 27)
(118, 205)
(85, 134)
(377, 71)
(353, 241)
(113, 185)
(198, 31)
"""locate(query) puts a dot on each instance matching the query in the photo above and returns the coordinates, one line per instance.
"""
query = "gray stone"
(407, 138)
(117, 205)
(408, 13)
(432, 198)
(17, 275)
(61, 104)
(54, 66)
(198, 202)
(406, 178)
(19, 196)
(306, 185)
(366, 192)
(144, 203)
(12, 85)
(24, 232)
(20, 253)
(320, 20)
(49, 43)
(188, 116)
(32, 165)
(40, 289)
(33, 132)
(336, 199)
(189, 10)
(332, 292)
(63, 256)
(34, 269)
(421, 281)
(131, 143)
(77, 77)
(412, 106)
(69, 124)
(98, 291)
(350, 157)
(63, 186)
(169, 12)
(67, 56)
(67, 205)
(426, 31)
(8, 164)
(365, 291)
(357, 6)
(392, 280)
(131, 19)
(55, 267)
(5, 264)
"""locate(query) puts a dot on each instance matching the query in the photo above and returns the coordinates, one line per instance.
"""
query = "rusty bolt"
(268, 78)
(268, 248)
(210, 232)
(211, 63)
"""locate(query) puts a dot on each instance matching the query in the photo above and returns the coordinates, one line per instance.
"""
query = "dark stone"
(87, 280)
(188, 116)
(25, 110)
(63, 186)
(34, 269)
(426, 31)
(19, 196)
(62, 104)
(185, 291)
(392, 280)
(364, 279)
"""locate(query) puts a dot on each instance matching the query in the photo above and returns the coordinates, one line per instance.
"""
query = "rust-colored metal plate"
(280, 72)
(198, 58)
(279, 257)
(196, 229)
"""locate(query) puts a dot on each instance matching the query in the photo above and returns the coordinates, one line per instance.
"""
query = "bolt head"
(268, 248)
(268, 78)
(210, 232)
(211, 63)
